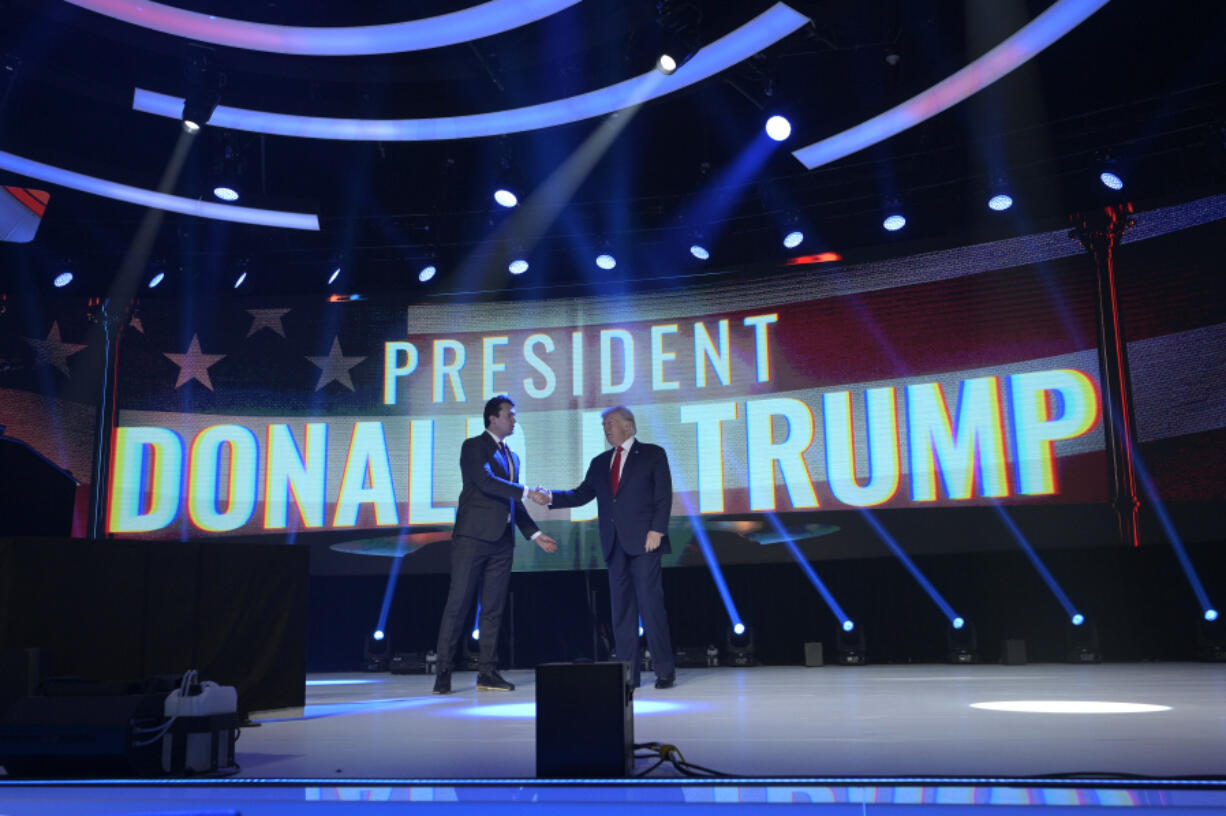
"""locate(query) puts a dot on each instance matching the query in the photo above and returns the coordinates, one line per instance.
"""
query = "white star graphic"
(136, 324)
(267, 319)
(334, 367)
(53, 351)
(194, 364)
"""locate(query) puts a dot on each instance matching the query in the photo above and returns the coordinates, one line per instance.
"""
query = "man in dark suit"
(483, 544)
(633, 488)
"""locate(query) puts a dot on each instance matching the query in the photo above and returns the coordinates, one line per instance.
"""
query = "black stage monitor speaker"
(90, 737)
(813, 654)
(1013, 652)
(584, 720)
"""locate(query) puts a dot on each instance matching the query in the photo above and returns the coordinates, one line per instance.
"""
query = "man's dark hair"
(494, 407)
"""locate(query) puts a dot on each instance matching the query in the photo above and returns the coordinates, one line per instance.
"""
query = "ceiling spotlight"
(62, 279)
(518, 266)
(666, 64)
(606, 261)
(1000, 202)
(156, 279)
(427, 273)
(1110, 180)
(336, 273)
(894, 222)
(505, 197)
(699, 251)
(242, 276)
(793, 239)
(225, 193)
(198, 107)
(778, 128)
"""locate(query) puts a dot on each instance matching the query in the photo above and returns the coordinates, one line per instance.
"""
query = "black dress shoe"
(493, 682)
(442, 683)
(667, 681)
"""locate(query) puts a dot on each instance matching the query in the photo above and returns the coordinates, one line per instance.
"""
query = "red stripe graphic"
(30, 199)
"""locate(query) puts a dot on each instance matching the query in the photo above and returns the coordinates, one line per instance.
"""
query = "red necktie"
(506, 455)
(616, 473)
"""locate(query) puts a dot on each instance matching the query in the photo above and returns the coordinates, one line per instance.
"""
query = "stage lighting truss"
(1056, 21)
(154, 199)
(473, 23)
(759, 33)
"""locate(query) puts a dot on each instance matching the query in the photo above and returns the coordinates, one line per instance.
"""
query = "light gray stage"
(774, 721)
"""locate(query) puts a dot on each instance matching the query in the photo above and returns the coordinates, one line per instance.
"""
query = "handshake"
(540, 495)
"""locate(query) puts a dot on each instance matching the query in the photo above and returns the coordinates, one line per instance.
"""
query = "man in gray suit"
(483, 544)
(633, 488)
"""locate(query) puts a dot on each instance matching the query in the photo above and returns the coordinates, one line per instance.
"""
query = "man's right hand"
(540, 495)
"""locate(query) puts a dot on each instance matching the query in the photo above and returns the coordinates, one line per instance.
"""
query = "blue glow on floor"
(528, 710)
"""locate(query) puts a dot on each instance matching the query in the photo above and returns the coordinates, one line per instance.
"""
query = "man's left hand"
(653, 540)
(546, 543)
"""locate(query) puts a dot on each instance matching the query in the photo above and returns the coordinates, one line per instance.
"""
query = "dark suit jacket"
(488, 495)
(644, 498)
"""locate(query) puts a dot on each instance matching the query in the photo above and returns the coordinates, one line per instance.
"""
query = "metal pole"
(1100, 231)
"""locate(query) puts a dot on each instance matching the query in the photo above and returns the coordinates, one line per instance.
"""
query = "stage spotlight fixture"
(1111, 180)
(377, 652)
(778, 128)
(62, 279)
(699, 251)
(472, 652)
(961, 643)
(241, 279)
(1082, 640)
(157, 278)
(241, 268)
(1000, 202)
(1211, 639)
(1077, 619)
(225, 193)
(427, 273)
(849, 648)
(606, 261)
(793, 239)
(1210, 615)
(336, 273)
(505, 197)
(894, 222)
(678, 22)
(738, 645)
(518, 266)
(476, 633)
(848, 625)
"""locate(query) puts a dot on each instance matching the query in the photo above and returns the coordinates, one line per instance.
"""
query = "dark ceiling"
(1139, 80)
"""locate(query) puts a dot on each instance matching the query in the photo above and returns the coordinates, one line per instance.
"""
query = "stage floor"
(831, 721)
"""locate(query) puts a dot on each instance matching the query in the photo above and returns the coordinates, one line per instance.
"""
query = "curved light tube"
(155, 200)
(759, 33)
(493, 17)
(1060, 18)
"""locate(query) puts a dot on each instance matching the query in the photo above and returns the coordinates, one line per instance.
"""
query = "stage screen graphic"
(965, 378)
(930, 382)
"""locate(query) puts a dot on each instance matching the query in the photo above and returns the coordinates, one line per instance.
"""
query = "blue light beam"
(924, 583)
(1173, 536)
(1039, 566)
(808, 570)
(756, 35)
